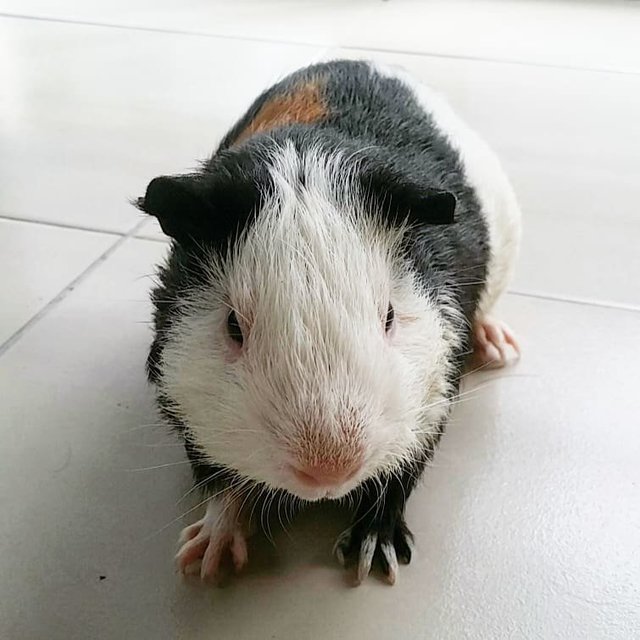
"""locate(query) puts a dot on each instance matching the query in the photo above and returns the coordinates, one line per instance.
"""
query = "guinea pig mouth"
(316, 495)
(318, 483)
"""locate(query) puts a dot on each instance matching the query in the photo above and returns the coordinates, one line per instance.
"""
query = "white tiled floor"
(35, 269)
(528, 523)
(92, 112)
(584, 33)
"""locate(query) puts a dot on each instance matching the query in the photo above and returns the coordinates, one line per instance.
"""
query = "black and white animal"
(333, 270)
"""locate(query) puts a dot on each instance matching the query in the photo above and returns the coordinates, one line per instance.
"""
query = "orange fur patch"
(303, 106)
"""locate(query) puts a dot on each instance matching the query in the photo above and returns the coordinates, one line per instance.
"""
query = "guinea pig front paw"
(491, 341)
(208, 546)
(376, 540)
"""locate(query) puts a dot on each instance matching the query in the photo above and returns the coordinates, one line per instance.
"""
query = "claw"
(190, 532)
(341, 547)
(239, 552)
(367, 549)
(403, 544)
(389, 562)
(363, 546)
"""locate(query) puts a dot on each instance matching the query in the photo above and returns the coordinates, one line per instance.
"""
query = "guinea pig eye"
(233, 328)
(390, 316)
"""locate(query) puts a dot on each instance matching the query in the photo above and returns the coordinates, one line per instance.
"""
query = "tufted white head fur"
(318, 382)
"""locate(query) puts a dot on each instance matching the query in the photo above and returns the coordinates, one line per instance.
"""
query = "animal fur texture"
(332, 265)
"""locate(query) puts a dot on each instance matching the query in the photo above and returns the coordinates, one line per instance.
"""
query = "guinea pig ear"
(179, 204)
(405, 200)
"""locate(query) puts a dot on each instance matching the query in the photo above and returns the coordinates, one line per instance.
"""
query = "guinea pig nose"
(319, 475)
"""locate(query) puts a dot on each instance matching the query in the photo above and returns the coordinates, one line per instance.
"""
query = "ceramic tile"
(527, 517)
(91, 114)
(556, 32)
(37, 262)
(574, 165)
(527, 521)
(78, 425)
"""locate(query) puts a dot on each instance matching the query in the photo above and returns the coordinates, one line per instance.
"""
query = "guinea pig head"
(306, 356)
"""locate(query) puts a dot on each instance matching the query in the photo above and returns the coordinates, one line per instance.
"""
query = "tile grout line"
(131, 234)
(60, 225)
(73, 227)
(328, 45)
(167, 30)
(586, 302)
(515, 62)
(326, 49)
(61, 295)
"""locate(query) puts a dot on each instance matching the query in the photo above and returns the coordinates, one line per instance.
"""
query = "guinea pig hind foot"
(491, 341)
(207, 546)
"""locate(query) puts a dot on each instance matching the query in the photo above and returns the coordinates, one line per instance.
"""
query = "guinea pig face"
(310, 361)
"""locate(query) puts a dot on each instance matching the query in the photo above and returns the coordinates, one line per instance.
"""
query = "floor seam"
(329, 45)
(587, 302)
(60, 225)
(178, 32)
(469, 58)
(62, 294)
(121, 239)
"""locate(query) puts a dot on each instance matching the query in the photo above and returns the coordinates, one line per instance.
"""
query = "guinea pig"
(332, 273)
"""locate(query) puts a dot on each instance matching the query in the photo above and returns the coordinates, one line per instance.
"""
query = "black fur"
(402, 163)
(380, 512)
(208, 208)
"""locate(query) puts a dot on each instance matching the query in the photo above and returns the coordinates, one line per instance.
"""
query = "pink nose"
(320, 475)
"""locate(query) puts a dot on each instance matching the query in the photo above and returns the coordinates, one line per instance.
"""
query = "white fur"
(485, 174)
(317, 378)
